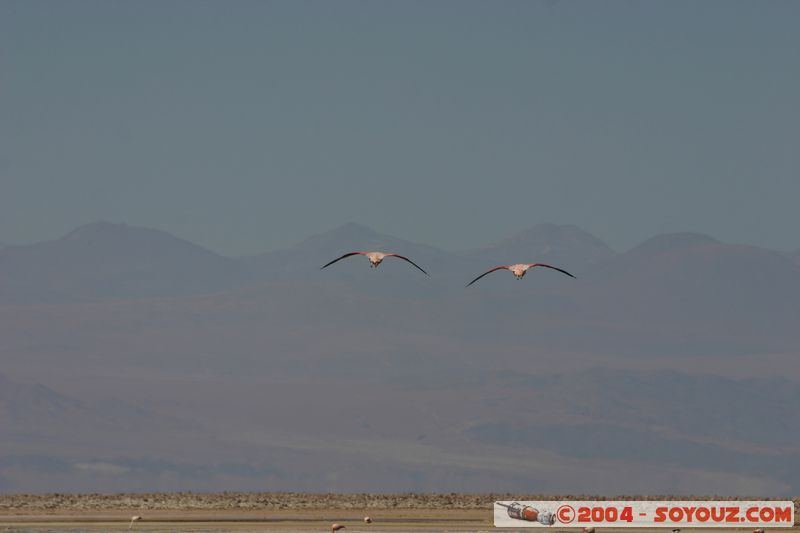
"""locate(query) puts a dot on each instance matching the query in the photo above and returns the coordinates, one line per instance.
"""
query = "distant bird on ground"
(134, 519)
(367, 520)
(588, 530)
(336, 527)
(760, 530)
(375, 259)
(676, 530)
(519, 270)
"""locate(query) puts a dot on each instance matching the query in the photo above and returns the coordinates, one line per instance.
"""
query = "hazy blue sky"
(246, 126)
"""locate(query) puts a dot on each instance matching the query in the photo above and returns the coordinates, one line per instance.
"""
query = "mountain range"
(134, 360)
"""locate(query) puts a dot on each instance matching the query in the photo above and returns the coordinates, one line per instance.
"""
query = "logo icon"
(565, 514)
(527, 513)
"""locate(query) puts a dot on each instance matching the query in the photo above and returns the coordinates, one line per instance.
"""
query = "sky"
(247, 126)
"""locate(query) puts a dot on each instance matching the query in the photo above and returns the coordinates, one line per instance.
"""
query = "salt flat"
(212, 522)
(432, 521)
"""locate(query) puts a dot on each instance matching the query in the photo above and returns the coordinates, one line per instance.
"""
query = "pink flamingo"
(336, 527)
(375, 259)
(519, 270)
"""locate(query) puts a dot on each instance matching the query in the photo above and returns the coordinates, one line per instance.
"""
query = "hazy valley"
(133, 360)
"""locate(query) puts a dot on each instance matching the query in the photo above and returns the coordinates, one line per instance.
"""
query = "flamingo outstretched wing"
(550, 266)
(340, 258)
(485, 273)
(409, 260)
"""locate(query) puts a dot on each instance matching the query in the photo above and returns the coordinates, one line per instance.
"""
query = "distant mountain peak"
(567, 244)
(547, 231)
(103, 235)
(93, 229)
(352, 228)
(668, 242)
(109, 260)
(351, 235)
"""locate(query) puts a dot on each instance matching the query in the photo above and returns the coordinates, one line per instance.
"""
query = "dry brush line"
(187, 501)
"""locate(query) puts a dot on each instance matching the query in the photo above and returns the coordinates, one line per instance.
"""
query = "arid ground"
(243, 512)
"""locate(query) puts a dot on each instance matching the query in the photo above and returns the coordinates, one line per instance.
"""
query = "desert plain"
(274, 512)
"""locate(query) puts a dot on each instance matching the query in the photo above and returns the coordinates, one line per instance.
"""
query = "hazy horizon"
(323, 231)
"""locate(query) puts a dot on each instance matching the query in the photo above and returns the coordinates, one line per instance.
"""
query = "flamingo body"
(519, 270)
(375, 259)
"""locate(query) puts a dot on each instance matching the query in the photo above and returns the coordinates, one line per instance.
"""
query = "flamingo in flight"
(519, 270)
(375, 259)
